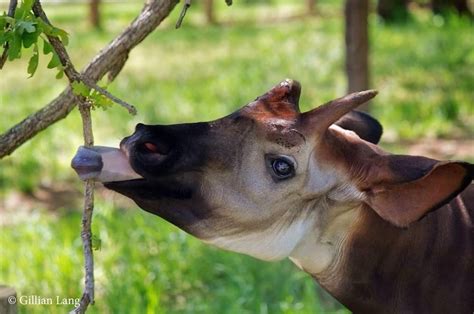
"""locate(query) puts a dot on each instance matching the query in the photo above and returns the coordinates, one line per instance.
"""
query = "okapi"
(382, 233)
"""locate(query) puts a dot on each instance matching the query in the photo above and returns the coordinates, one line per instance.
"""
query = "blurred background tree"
(356, 13)
(94, 13)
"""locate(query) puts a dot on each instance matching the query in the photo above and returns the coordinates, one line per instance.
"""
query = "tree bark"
(357, 45)
(110, 60)
(209, 11)
(94, 13)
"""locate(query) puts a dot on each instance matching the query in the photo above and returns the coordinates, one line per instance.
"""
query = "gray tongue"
(104, 164)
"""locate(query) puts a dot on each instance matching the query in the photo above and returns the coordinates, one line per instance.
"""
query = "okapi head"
(272, 182)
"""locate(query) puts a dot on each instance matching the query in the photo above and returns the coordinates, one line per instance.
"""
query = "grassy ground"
(423, 70)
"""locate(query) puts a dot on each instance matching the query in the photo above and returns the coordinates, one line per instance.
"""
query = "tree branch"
(186, 5)
(184, 9)
(109, 60)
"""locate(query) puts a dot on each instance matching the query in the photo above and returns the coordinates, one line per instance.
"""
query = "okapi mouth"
(146, 189)
(111, 166)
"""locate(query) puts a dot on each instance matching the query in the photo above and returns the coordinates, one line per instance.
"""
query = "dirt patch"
(459, 149)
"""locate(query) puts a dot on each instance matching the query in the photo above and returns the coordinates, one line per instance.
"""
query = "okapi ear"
(409, 187)
(321, 118)
(365, 126)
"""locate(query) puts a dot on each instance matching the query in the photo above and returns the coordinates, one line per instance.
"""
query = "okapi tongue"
(103, 164)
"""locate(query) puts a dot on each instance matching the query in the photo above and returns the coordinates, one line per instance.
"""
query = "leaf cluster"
(26, 31)
(95, 98)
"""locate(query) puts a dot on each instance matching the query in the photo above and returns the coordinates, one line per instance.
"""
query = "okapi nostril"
(155, 148)
(151, 147)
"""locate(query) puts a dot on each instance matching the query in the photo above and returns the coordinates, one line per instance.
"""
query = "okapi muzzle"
(380, 232)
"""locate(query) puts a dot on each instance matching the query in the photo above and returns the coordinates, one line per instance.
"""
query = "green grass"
(423, 70)
(146, 265)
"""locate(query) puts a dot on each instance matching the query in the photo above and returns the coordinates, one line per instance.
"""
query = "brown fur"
(426, 268)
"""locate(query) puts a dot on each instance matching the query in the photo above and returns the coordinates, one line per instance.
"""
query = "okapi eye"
(281, 167)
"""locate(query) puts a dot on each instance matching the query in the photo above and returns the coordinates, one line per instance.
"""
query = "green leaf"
(20, 12)
(79, 88)
(4, 20)
(30, 38)
(33, 63)
(28, 26)
(100, 100)
(60, 74)
(96, 242)
(61, 34)
(47, 48)
(54, 61)
(47, 29)
(28, 4)
(4, 37)
(14, 50)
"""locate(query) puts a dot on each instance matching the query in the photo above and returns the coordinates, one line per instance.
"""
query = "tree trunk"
(94, 13)
(392, 10)
(209, 11)
(311, 6)
(8, 300)
(443, 6)
(357, 45)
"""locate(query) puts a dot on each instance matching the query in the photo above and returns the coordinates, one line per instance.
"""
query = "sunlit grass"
(146, 266)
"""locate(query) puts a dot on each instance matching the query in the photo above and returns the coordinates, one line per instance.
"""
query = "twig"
(11, 13)
(186, 5)
(131, 109)
(86, 233)
(84, 108)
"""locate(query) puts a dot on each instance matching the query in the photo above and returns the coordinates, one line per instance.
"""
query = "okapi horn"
(322, 117)
(286, 91)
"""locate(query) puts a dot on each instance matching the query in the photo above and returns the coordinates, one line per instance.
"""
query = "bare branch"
(84, 108)
(86, 233)
(109, 60)
(11, 13)
(186, 5)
